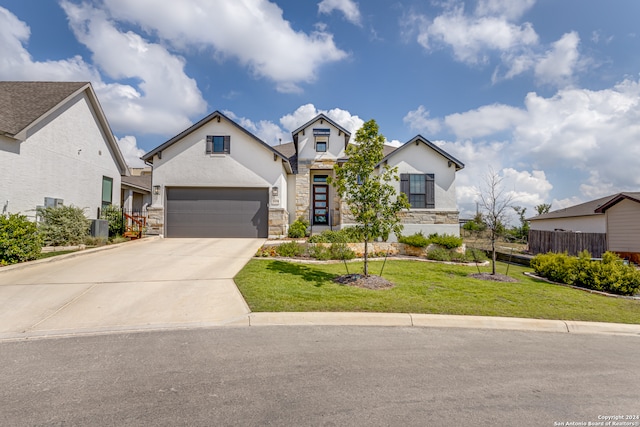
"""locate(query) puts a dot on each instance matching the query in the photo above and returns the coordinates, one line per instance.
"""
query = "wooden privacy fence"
(567, 241)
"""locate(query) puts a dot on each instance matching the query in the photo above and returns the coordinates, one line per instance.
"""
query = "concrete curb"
(441, 321)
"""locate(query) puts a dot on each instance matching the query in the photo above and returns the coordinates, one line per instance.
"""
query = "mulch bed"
(367, 282)
(493, 277)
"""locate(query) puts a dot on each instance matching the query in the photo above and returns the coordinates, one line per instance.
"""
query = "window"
(107, 191)
(420, 189)
(218, 144)
(322, 139)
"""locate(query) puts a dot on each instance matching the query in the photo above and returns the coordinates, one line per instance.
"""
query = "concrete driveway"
(152, 283)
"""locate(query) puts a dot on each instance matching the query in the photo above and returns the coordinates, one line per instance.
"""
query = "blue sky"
(546, 93)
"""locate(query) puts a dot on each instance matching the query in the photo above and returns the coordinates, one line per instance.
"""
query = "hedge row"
(608, 275)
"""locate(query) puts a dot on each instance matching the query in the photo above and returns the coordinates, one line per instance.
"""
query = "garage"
(217, 212)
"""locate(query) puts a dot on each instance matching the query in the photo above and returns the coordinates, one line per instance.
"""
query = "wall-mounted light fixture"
(156, 190)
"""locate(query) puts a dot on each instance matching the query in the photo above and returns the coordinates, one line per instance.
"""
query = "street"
(313, 375)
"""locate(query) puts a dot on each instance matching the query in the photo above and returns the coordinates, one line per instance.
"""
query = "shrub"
(290, 249)
(19, 239)
(439, 254)
(267, 251)
(608, 275)
(446, 240)
(340, 250)
(319, 252)
(556, 267)
(331, 236)
(64, 225)
(417, 240)
(475, 255)
(113, 215)
(298, 229)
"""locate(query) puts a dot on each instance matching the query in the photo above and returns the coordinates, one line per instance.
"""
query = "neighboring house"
(136, 191)
(615, 218)
(218, 179)
(56, 147)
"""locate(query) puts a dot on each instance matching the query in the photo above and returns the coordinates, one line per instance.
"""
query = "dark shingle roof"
(287, 150)
(585, 209)
(142, 182)
(25, 102)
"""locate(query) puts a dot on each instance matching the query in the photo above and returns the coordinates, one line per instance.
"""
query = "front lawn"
(270, 285)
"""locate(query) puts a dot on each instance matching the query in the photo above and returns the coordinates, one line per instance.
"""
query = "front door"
(321, 204)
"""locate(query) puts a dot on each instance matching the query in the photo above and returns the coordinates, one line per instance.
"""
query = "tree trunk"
(366, 256)
(493, 254)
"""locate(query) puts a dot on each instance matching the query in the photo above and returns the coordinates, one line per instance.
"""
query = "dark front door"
(321, 204)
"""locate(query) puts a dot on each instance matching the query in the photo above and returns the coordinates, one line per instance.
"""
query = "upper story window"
(419, 188)
(321, 139)
(218, 144)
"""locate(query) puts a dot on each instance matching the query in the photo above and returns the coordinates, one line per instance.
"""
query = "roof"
(142, 182)
(594, 207)
(288, 150)
(148, 157)
(25, 104)
(421, 139)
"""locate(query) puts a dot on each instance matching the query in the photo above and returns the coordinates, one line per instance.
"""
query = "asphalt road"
(312, 375)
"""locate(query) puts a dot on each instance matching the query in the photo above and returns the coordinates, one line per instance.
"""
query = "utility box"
(100, 228)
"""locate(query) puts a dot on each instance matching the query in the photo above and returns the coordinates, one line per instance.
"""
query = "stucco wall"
(64, 157)
(585, 224)
(185, 163)
(623, 226)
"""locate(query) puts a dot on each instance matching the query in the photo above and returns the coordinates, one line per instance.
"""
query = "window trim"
(429, 189)
(103, 201)
(321, 135)
(210, 144)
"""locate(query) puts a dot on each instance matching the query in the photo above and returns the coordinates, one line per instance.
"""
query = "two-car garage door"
(217, 212)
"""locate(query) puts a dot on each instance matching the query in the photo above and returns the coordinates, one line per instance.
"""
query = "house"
(56, 147)
(216, 179)
(612, 220)
(136, 191)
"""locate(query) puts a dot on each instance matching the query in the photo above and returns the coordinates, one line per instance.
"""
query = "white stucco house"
(56, 147)
(218, 179)
(616, 217)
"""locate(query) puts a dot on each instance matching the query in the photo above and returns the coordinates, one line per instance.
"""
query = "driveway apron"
(153, 283)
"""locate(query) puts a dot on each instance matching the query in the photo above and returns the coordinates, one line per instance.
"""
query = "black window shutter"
(404, 183)
(209, 144)
(431, 190)
(227, 144)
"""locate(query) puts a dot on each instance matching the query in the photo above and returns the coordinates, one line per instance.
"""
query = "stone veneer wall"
(429, 217)
(155, 220)
(303, 186)
(278, 222)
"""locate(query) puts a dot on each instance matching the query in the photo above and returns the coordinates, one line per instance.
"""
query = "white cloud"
(419, 121)
(131, 152)
(165, 97)
(16, 63)
(486, 120)
(558, 64)
(348, 7)
(472, 38)
(492, 33)
(253, 32)
(307, 112)
(509, 9)
(584, 139)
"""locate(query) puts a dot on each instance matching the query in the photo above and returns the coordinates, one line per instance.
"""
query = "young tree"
(368, 192)
(494, 200)
(521, 232)
(543, 208)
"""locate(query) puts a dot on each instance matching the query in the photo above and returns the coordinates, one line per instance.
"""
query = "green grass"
(52, 254)
(271, 285)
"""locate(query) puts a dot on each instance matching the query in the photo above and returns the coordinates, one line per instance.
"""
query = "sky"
(544, 93)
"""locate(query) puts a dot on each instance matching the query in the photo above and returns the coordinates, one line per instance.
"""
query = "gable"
(321, 139)
(423, 143)
(29, 106)
(212, 123)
